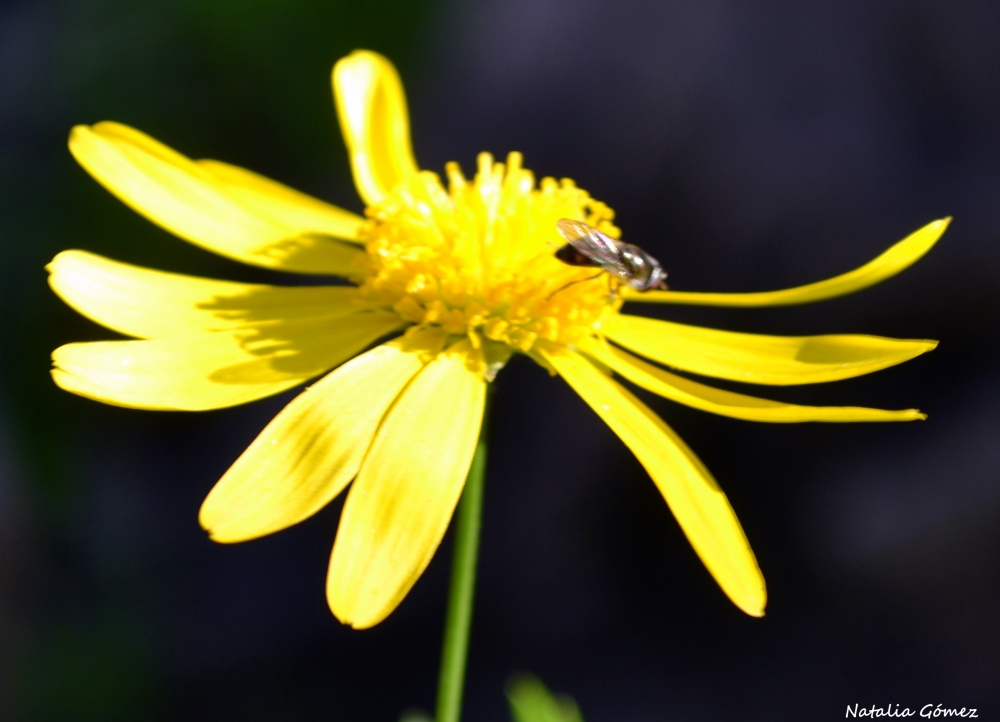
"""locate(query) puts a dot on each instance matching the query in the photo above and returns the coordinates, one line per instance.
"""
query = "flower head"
(476, 259)
(448, 280)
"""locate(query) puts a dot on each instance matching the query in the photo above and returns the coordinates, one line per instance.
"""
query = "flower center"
(478, 258)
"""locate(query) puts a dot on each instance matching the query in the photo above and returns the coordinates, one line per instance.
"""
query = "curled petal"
(692, 494)
(753, 358)
(145, 303)
(726, 403)
(371, 106)
(214, 370)
(314, 447)
(228, 210)
(898, 258)
(399, 507)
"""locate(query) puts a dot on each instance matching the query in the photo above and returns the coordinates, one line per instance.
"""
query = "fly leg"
(572, 283)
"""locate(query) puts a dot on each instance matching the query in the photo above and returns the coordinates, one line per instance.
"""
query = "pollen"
(477, 259)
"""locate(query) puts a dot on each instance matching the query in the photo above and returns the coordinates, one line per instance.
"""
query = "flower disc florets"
(477, 259)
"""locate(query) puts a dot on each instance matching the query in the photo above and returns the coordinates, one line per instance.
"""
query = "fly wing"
(592, 243)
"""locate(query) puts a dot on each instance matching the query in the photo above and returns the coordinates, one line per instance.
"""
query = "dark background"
(748, 146)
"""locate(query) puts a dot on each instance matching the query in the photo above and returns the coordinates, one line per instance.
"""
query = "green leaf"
(415, 715)
(531, 701)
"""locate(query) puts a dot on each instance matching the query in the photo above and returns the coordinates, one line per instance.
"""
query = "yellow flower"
(459, 277)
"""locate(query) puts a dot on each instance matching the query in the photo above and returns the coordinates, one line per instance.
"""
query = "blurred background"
(747, 146)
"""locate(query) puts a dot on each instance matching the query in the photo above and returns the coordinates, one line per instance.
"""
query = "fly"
(587, 246)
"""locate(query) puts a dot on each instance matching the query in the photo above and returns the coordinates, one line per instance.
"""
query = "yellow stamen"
(480, 255)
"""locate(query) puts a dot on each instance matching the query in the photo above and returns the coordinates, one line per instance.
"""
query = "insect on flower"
(628, 264)
(449, 278)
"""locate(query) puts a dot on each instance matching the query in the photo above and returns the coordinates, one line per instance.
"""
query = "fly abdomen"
(572, 257)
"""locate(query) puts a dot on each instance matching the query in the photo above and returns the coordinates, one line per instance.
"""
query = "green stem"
(458, 619)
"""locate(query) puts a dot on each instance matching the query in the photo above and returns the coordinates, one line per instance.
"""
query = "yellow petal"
(283, 204)
(398, 508)
(371, 106)
(314, 447)
(693, 495)
(726, 403)
(777, 360)
(899, 257)
(214, 370)
(144, 303)
(225, 209)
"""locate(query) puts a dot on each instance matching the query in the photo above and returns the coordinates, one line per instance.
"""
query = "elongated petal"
(776, 360)
(371, 106)
(283, 204)
(398, 508)
(314, 447)
(726, 403)
(225, 209)
(693, 495)
(214, 370)
(144, 303)
(898, 258)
